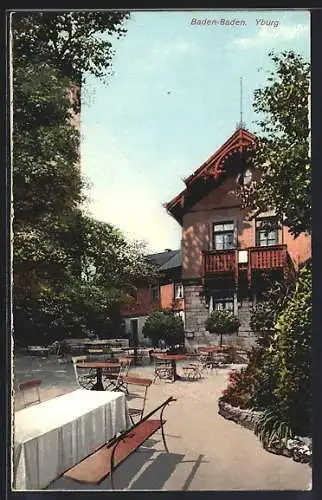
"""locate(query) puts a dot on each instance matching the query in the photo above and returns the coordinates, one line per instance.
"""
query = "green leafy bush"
(222, 322)
(262, 317)
(271, 428)
(164, 325)
(239, 388)
(292, 350)
(277, 379)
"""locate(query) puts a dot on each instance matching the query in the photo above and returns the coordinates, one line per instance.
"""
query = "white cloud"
(267, 34)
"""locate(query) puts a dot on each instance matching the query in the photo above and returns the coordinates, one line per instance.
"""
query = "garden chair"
(137, 382)
(199, 366)
(114, 378)
(27, 386)
(162, 370)
(86, 380)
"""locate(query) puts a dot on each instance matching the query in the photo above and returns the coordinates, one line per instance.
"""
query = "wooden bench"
(103, 462)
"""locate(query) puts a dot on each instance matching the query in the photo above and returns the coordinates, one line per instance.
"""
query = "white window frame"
(178, 291)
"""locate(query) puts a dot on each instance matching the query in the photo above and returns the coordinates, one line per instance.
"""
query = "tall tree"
(76, 43)
(70, 271)
(282, 152)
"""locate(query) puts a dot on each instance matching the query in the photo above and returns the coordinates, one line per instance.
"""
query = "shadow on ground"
(146, 469)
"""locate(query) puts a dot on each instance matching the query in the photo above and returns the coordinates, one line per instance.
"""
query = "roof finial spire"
(241, 124)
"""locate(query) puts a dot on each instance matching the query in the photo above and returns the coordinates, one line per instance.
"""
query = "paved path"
(207, 452)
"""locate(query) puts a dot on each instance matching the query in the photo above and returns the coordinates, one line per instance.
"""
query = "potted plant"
(222, 322)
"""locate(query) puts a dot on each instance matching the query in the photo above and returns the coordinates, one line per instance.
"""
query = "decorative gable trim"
(212, 170)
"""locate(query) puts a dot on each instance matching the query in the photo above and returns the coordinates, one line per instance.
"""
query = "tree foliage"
(278, 376)
(292, 351)
(164, 325)
(282, 153)
(222, 322)
(71, 272)
(75, 43)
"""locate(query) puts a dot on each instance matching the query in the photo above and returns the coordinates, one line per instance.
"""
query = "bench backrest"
(145, 382)
(128, 431)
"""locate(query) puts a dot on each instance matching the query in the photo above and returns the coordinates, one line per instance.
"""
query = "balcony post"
(235, 303)
(249, 268)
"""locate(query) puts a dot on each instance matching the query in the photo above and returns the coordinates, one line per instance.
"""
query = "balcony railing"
(257, 258)
(273, 257)
(219, 261)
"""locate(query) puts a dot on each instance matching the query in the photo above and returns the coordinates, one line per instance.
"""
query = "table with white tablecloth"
(52, 436)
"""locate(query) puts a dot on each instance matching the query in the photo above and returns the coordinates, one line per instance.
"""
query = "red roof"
(241, 140)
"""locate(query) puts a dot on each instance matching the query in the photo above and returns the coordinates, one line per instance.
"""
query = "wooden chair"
(27, 386)
(199, 366)
(103, 462)
(137, 382)
(86, 380)
(114, 378)
(162, 369)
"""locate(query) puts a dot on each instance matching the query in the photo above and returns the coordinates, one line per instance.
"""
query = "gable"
(229, 160)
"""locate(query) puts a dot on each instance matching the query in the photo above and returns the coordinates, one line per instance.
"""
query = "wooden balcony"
(265, 258)
(219, 262)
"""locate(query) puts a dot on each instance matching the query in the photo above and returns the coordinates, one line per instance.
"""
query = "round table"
(99, 366)
(173, 358)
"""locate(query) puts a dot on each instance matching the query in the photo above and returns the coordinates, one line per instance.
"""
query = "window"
(227, 304)
(224, 236)
(266, 232)
(178, 291)
(154, 293)
(245, 178)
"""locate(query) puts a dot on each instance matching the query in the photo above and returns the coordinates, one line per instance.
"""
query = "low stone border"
(299, 448)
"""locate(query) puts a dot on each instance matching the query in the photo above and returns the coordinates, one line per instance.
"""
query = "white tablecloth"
(52, 436)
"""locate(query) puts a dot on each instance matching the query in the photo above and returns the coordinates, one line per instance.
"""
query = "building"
(166, 292)
(227, 256)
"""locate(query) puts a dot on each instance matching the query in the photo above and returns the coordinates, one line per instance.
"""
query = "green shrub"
(271, 428)
(277, 379)
(222, 322)
(240, 387)
(292, 351)
(164, 325)
(262, 317)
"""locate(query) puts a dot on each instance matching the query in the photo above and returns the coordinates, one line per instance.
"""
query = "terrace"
(206, 451)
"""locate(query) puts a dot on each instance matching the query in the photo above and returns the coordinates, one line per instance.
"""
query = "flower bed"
(299, 448)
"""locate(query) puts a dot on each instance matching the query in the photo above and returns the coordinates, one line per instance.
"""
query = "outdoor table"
(99, 366)
(53, 436)
(173, 358)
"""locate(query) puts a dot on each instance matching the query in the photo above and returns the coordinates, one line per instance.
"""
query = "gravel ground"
(207, 452)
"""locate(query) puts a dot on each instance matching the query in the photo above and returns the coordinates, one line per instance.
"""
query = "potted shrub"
(164, 326)
(222, 322)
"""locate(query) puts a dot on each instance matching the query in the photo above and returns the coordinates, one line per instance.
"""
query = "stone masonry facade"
(197, 311)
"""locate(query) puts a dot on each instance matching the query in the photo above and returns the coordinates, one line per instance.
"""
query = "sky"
(172, 100)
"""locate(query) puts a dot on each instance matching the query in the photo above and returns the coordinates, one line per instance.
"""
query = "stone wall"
(299, 448)
(196, 309)
(244, 313)
(196, 313)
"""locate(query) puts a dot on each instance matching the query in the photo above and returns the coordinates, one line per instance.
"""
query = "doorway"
(134, 334)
